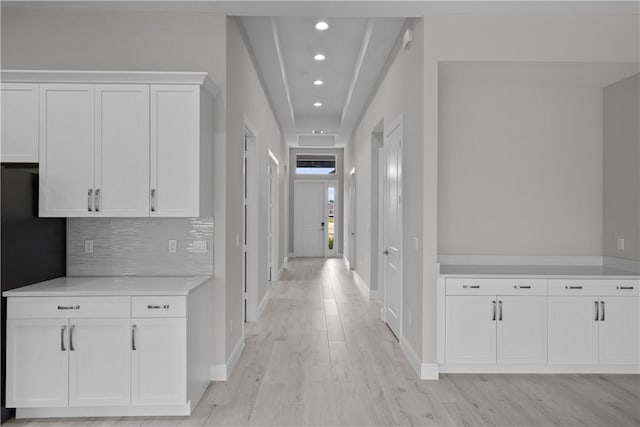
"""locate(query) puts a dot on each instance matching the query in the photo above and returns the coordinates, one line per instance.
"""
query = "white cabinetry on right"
(594, 322)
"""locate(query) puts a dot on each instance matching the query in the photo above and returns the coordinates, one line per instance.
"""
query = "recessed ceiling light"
(318, 83)
(316, 132)
(317, 104)
(319, 57)
(321, 26)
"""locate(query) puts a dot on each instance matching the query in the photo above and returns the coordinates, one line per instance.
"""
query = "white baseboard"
(622, 264)
(519, 260)
(373, 295)
(223, 372)
(362, 285)
(539, 369)
(262, 304)
(346, 262)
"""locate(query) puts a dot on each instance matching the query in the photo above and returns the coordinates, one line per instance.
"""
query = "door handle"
(602, 311)
(597, 311)
(62, 329)
(71, 347)
(97, 200)
(133, 337)
(89, 199)
(385, 252)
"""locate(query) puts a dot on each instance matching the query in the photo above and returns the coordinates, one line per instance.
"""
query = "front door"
(314, 216)
(392, 186)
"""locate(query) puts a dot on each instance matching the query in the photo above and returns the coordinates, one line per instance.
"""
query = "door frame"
(396, 124)
(249, 243)
(353, 220)
(273, 203)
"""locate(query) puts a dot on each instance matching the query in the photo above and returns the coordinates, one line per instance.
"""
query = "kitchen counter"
(111, 286)
(539, 271)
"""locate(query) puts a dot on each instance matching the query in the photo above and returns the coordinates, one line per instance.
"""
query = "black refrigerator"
(33, 249)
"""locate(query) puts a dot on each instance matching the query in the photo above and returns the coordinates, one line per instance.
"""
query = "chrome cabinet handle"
(602, 311)
(62, 329)
(493, 303)
(133, 337)
(597, 311)
(521, 287)
(625, 288)
(573, 287)
(385, 252)
(152, 307)
(500, 308)
(153, 200)
(71, 347)
(97, 200)
(89, 199)
(471, 286)
(68, 307)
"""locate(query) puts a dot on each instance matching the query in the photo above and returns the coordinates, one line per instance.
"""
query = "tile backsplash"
(139, 246)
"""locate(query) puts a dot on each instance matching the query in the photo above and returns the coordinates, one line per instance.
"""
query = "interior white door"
(309, 218)
(122, 150)
(393, 228)
(37, 363)
(159, 361)
(66, 150)
(619, 334)
(19, 122)
(99, 362)
(522, 330)
(471, 329)
(353, 219)
(175, 150)
(573, 329)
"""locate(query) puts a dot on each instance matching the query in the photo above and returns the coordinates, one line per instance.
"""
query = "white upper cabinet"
(66, 150)
(20, 115)
(175, 150)
(113, 144)
(122, 150)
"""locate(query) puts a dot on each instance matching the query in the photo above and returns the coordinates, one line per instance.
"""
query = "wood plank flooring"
(320, 355)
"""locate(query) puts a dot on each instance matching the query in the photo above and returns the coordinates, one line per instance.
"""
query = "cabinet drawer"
(594, 287)
(68, 307)
(159, 306)
(483, 286)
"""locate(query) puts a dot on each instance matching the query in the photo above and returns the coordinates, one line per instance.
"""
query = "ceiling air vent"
(316, 140)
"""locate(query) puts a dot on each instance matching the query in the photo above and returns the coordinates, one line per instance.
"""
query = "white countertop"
(545, 271)
(110, 286)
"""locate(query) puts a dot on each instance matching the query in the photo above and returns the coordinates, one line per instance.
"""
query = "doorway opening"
(250, 226)
(352, 220)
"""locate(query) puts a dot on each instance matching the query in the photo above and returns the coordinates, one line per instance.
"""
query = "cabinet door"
(99, 362)
(573, 330)
(619, 334)
(522, 329)
(470, 329)
(19, 122)
(175, 150)
(66, 150)
(37, 363)
(122, 150)
(159, 361)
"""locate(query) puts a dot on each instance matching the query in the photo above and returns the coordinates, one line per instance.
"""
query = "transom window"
(315, 164)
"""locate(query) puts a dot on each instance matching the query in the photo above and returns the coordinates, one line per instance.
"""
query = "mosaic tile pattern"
(139, 246)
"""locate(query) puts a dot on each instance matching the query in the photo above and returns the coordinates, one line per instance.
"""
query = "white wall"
(80, 38)
(622, 168)
(400, 93)
(545, 38)
(520, 171)
(246, 98)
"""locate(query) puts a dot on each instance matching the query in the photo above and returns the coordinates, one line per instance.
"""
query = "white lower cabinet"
(619, 331)
(159, 361)
(37, 363)
(573, 330)
(471, 329)
(99, 362)
(522, 330)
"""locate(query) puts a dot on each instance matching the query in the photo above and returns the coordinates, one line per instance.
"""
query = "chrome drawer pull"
(62, 338)
(522, 287)
(471, 286)
(154, 307)
(573, 287)
(625, 288)
(68, 307)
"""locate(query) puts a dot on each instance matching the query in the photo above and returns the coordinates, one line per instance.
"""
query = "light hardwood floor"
(320, 355)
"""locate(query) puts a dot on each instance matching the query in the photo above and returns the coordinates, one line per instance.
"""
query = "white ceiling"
(356, 50)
